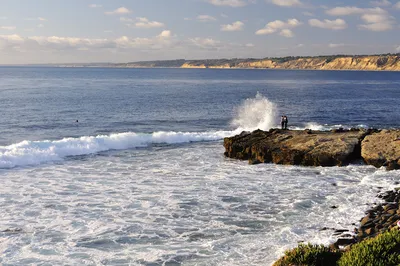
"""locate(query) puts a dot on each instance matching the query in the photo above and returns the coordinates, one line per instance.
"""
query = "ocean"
(125, 166)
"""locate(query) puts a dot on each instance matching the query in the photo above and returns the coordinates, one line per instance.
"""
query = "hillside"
(388, 62)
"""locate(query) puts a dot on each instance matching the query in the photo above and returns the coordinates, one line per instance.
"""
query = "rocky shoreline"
(317, 148)
(380, 148)
(378, 219)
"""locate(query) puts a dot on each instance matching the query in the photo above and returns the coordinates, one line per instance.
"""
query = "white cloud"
(141, 22)
(381, 3)
(205, 18)
(377, 22)
(231, 3)
(165, 34)
(12, 38)
(42, 19)
(308, 14)
(376, 19)
(235, 26)
(145, 23)
(286, 3)
(56, 43)
(119, 11)
(338, 24)
(7, 27)
(95, 6)
(397, 5)
(286, 33)
(352, 10)
(279, 25)
(205, 43)
(40, 26)
(398, 49)
(249, 45)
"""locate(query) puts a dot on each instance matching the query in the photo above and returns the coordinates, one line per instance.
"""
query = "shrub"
(382, 250)
(311, 255)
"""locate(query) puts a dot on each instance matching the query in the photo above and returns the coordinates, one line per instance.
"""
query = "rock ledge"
(317, 148)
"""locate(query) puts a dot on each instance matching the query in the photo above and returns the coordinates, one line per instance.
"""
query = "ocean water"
(141, 178)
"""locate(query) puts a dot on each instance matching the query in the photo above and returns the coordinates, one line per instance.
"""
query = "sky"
(89, 31)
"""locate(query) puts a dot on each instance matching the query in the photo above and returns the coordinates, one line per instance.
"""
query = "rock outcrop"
(316, 148)
(382, 149)
(309, 148)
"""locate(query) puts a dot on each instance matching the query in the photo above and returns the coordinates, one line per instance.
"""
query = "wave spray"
(255, 113)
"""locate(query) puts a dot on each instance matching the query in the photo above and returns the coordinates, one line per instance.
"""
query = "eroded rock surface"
(295, 147)
(382, 149)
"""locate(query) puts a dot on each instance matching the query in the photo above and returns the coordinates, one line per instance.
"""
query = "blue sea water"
(141, 178)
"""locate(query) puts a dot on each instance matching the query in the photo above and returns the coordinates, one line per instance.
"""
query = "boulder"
(382, 149)
(297, 147)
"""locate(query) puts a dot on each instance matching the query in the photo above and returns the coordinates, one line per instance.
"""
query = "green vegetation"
(309, 254)
(383, 250)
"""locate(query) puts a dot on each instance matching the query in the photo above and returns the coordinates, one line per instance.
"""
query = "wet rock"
(326, 228)
(295, 147)
(382, 149)
(370, 231)
(339, 231)
(344, 242)
(380, 218)
(12, 230)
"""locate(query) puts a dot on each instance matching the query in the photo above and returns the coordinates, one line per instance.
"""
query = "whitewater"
(254, 113)
(142, 179)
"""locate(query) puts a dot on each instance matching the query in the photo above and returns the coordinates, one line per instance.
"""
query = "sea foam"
(37, 152)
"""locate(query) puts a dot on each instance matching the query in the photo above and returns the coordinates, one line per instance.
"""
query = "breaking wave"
(255, 113)
(37, 152)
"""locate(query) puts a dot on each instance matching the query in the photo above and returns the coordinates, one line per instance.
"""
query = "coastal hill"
(387, 62)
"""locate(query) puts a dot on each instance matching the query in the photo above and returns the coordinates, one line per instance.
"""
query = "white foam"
(37, 152)
(255, 113)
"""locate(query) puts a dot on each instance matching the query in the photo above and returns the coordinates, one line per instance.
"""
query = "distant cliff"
(390, 62)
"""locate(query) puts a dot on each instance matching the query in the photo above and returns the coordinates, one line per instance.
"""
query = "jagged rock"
(382, 149)
(295, 147)
(344, 242)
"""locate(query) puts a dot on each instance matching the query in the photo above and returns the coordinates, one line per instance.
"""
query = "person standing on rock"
(285, 121)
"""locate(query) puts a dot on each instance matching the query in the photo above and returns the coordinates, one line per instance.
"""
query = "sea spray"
(255, 113)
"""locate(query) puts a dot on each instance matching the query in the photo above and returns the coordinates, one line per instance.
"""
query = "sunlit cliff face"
(391, 62)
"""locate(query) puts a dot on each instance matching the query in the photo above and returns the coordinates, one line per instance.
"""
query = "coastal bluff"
(384, 62)
(337, 147)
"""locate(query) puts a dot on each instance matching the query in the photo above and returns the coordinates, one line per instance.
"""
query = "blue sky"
(67, 31)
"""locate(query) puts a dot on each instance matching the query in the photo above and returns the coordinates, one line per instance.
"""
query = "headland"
(381, 62)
